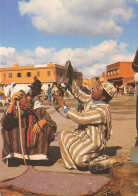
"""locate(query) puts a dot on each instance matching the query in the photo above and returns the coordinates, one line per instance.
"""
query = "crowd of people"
(28, 129)
(128, 90)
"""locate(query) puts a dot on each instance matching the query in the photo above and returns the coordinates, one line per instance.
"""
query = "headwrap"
(19, 87)
(109, 88)
(8, 89)
(35, 77)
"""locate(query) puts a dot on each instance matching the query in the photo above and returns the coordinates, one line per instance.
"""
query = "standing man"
(49, 94)
(82, 147)
(36, 87)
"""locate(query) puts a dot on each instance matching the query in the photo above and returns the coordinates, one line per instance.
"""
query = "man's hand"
(16, 96)
(60, 101)
(38, 125)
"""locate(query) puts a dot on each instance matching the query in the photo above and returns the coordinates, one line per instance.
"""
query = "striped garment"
(80, 146)
(11, 137)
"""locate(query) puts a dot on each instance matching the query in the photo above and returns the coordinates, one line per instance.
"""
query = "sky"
(90, 33)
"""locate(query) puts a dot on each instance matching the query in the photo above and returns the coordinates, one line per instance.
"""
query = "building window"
(61, 73)
(117, 71)
(38, 73)
(57, 73)
(108, 73)
(10, 75)
(114, 72)
(48, 73)
(28, 74)
(111, 72)
(18, 75)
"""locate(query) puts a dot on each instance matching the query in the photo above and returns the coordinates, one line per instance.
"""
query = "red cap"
(35, 77)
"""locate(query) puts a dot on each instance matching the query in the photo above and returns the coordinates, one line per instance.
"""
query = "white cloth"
(136, 77)
(7, 90)
(37, 104)
(19, 87)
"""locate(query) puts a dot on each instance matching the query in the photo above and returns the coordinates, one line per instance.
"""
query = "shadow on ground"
(111, 151)
(54, 155)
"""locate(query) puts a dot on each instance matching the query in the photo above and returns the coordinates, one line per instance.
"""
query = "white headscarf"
(19, 87)
(8, 89)
(136, 77)
(26, 89)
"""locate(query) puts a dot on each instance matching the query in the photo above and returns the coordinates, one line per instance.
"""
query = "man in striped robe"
(37, 129)
(81, 147)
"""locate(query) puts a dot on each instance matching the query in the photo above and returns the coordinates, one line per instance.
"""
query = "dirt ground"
(123, 110)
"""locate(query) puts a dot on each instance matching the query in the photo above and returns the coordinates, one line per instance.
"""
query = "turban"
(19, 87)
(109, 88)
(8, 89)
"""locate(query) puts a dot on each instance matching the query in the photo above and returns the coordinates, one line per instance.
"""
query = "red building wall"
(120, 73)
(126, 69)
(120, 70)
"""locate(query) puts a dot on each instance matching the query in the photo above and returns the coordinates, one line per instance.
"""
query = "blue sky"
(91, 33)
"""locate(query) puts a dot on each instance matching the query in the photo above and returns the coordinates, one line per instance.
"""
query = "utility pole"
(129, 169)
(135, 68)
(134, 150)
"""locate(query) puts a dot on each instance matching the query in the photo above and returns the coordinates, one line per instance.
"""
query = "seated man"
(81, 147)
(37, 128)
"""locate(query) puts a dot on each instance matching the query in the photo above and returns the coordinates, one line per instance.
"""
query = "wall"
(125, 70)
(110, 69)
(125, 73)
(46, 73)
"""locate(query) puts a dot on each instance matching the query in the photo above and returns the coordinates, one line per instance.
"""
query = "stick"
(20, 131)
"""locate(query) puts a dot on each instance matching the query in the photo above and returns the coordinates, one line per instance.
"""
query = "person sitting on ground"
(37, 128)
(81, 148)
(36, 87)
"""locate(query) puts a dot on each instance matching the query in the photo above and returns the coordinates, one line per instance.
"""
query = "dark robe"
(11, 136)
(36, 88)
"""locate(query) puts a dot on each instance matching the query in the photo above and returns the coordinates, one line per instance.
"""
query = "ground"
(123, 110)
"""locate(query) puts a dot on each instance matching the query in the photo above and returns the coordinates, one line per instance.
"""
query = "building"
(47, 73)
(103, 77)
(86, 83)
(121, 74)
(92, 82)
